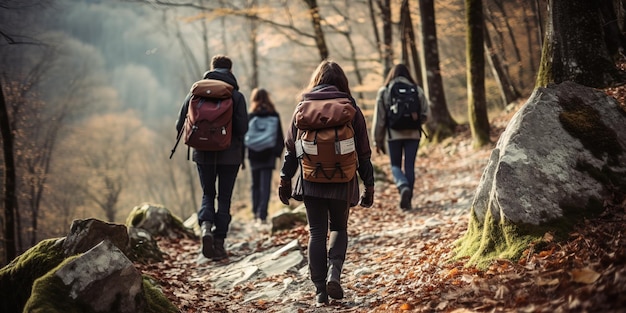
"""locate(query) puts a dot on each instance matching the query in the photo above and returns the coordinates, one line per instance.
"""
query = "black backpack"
(405, 108)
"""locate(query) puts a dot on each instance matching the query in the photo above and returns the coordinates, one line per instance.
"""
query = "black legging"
(320, 213)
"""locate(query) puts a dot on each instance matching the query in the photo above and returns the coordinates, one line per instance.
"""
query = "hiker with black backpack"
(401, 109)
(265, 143)
(328, 142)
(220, 159)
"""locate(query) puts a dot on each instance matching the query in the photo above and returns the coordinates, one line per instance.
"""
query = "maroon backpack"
(208, 126)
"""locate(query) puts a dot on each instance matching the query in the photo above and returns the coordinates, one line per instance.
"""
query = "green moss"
(156, 300)
(50, 294)
(136, 215)
(491, 240)
(584, 122)
(17, 278)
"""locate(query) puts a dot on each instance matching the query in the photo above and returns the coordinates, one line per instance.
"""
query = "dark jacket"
(234, 154)
(340, 191)
(267, 158)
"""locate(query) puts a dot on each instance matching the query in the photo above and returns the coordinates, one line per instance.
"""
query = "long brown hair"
(399, 70)
(260, 100)
(329, 72)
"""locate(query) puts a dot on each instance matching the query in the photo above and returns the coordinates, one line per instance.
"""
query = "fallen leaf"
(584, 276)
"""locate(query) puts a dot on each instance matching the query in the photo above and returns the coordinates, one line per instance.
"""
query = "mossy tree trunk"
(575, 49)
(441, 125)
(477, 103)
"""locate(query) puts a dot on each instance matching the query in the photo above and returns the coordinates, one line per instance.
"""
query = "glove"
(367, 198)
(284, 191)
(380, 148)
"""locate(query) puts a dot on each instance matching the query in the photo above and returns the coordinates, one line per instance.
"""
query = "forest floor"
(402, 261)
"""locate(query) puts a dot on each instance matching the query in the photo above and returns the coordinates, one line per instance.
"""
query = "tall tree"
(385, 13)
(477, 103)
(574, 48)
(408, 41)
(441, 124)
(316, 21)
(10, 182)
(507, 89)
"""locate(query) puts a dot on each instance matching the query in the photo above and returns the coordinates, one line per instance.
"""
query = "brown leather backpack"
(325, 140)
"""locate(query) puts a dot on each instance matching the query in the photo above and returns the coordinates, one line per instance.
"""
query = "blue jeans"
(398, 149)
(322, 215)
(261, 186)
(226, 175)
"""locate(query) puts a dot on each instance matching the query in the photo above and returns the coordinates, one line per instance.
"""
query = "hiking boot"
(333, 286)
(405, 198)
(321, 296)
(207, 239)
(219, 251)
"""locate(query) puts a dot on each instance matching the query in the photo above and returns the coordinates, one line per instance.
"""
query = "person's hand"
(367, 198)
(284, 191)
(380, 149)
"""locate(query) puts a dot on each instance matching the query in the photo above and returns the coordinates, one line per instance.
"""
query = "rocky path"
(387, 247)
(401, 261)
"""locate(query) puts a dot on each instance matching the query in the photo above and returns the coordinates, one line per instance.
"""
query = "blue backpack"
(261, 133)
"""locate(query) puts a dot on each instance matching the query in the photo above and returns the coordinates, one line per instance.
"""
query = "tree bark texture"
(316, 20)
(574, 48)
(441, 124)
(10, 198)
(385, 10)
(477, 103)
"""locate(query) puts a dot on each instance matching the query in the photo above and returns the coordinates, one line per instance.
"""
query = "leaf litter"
(400, 261)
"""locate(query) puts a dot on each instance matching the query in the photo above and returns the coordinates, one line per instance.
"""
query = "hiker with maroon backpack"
(401, 109)
(218, 161)
(265, 143)
(328, 141)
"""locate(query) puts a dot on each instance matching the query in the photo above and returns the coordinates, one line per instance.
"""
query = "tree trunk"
(440, 125)
(375, 26)
(574, 48)
(385, 10)
(316, 20)
(10, 198)
(477, 104)
(254, 56)
(410, 42)
(507, 90)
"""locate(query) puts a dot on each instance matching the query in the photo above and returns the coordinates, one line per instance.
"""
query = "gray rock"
(85, 234)
(287, 218)
(104, 279)
(556, 157)
(259, 265)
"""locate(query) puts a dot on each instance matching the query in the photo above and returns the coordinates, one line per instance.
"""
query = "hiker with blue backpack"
(213, 122)
(401, 109)
(264, 142)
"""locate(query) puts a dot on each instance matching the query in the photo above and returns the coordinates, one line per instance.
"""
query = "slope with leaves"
(400, 260)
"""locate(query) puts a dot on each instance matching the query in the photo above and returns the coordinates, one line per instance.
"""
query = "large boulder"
(86, 271)
(102, 279)
(561, 156)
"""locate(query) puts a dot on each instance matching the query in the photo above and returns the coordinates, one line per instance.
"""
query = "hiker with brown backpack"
(401, 109)
(328, 142)
(213, 121)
